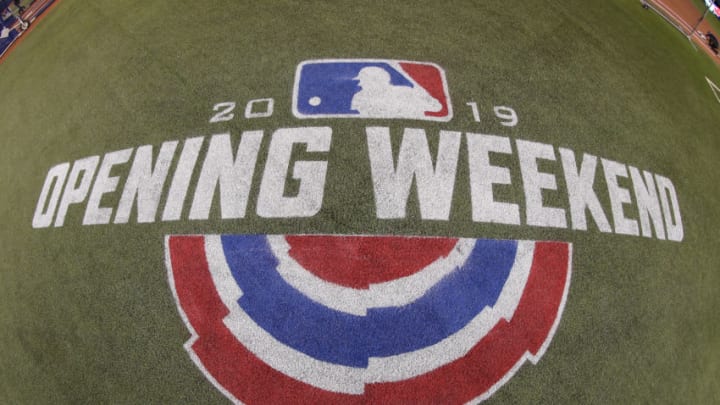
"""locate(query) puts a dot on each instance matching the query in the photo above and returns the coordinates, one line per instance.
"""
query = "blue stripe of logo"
(337, 337)
(334, 85)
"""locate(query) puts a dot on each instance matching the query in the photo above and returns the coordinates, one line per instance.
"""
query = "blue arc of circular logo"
(350, 340)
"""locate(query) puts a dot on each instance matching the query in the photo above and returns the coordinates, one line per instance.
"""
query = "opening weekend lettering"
(652, 199)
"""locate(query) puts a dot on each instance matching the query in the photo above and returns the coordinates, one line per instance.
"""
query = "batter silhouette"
(379, 98)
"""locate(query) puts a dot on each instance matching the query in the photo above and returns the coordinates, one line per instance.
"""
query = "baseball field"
(359, 202)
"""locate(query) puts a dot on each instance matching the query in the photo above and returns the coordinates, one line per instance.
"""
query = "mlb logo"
(362, 88)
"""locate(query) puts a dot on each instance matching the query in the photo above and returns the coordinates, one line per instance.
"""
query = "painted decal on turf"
(364, 88)
(403, 319)
(363, 319)
(201, 180)
(649, 207)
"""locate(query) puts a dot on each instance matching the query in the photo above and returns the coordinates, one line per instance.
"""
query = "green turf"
(87, 315)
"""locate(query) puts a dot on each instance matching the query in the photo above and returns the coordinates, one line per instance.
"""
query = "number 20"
(224, 110)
